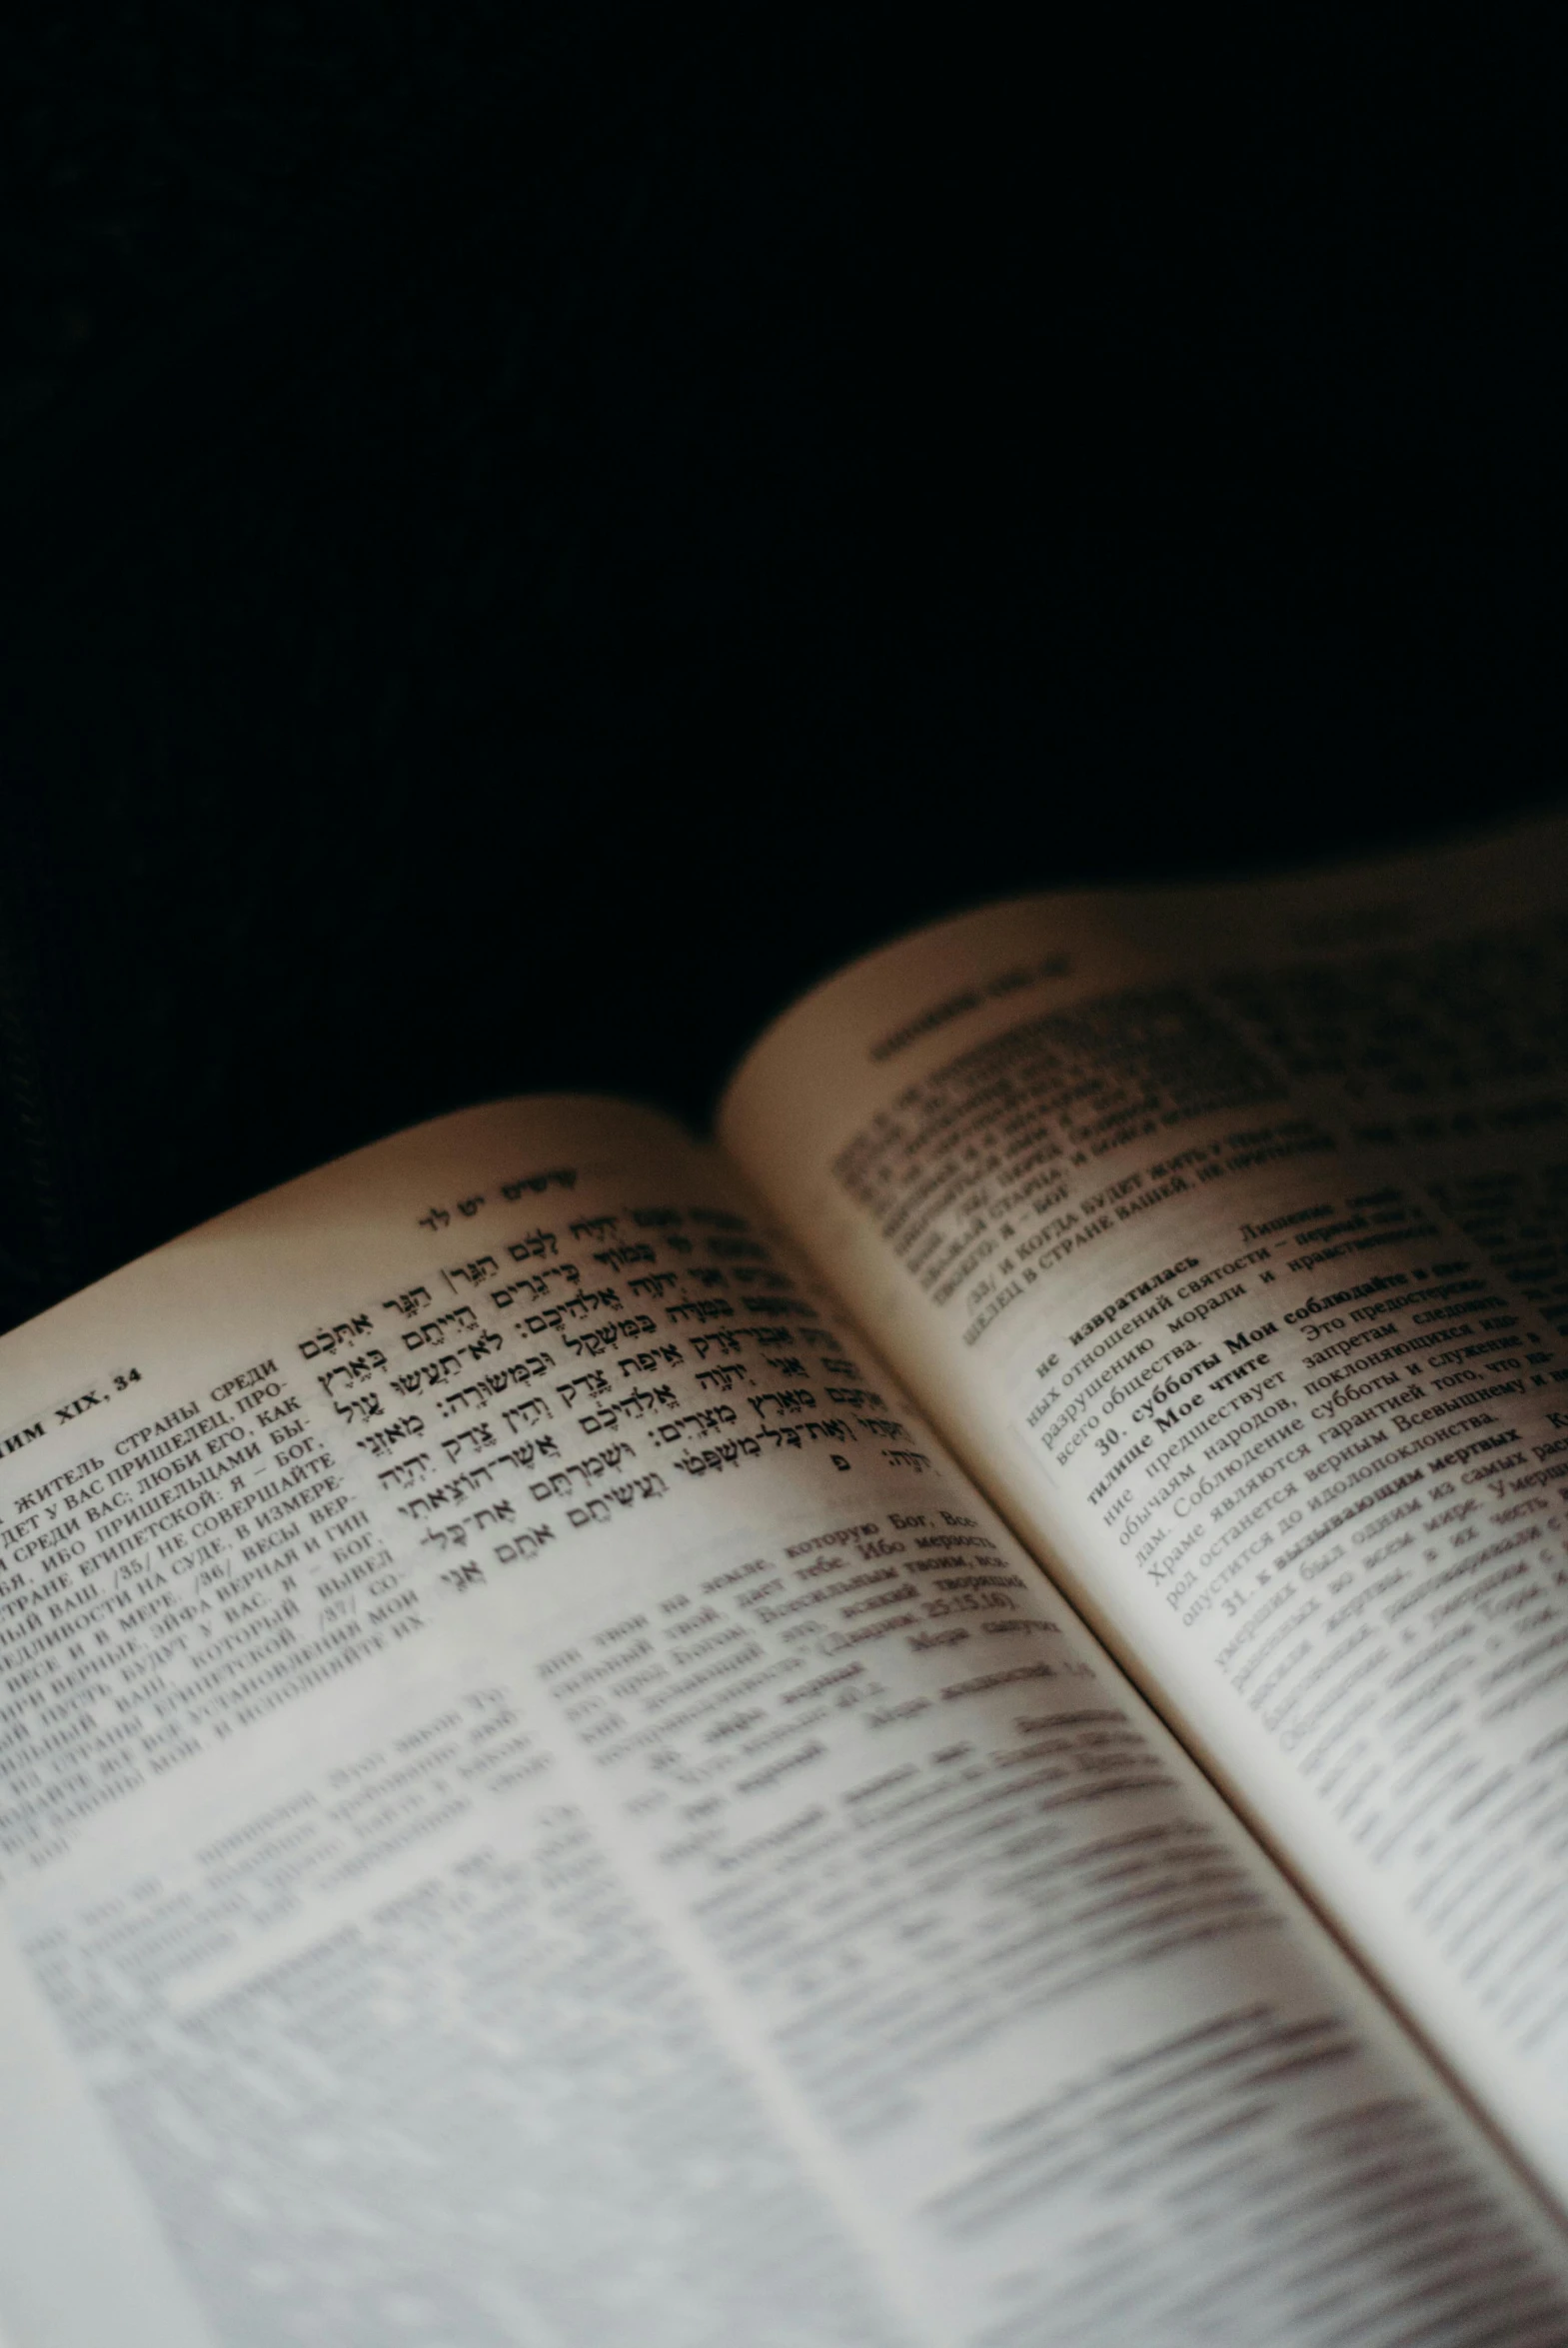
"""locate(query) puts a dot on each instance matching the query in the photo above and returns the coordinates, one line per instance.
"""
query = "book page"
(1225, 1232)
(540, 1806)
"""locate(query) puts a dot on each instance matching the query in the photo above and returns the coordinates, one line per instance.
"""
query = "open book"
(945, 1724)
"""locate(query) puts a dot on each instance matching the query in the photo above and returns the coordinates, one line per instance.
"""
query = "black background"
(527, 538)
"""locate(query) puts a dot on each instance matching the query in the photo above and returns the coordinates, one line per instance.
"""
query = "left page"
(540, 1806)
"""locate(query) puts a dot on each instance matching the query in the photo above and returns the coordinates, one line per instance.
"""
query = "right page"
(1225, 1233)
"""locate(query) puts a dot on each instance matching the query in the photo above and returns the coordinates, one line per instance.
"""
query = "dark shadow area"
(530, 537)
